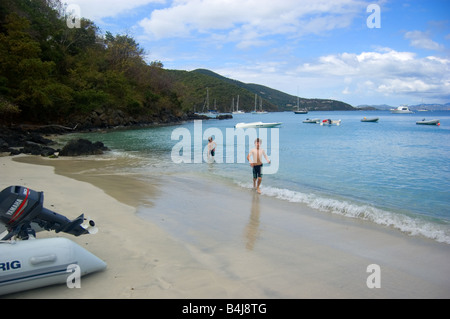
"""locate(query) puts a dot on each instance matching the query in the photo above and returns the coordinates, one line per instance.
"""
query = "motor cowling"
(21, 206)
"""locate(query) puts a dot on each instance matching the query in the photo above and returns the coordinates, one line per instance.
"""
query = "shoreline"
(191, 237)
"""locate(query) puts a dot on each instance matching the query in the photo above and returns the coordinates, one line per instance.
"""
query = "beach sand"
(187, 236)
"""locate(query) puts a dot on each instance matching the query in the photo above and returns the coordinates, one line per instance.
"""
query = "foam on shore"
(187, 236)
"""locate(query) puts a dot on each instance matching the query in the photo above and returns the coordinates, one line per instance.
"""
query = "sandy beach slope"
(191, 237)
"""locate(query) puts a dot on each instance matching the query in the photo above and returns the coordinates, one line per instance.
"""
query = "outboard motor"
(21, 206)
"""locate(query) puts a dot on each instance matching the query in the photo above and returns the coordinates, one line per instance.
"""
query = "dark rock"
(17, 140)
(13, 152)
(193, 116)
(83, 147)
(37, 138)
(3, 144)
(224, 117)
(37, 149)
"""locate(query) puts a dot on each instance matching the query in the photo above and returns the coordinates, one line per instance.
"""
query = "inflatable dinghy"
(27, 262)
(30, 264)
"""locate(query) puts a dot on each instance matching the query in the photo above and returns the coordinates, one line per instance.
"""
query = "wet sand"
(187, 236)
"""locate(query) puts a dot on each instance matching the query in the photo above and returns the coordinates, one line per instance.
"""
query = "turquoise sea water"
(393, 172)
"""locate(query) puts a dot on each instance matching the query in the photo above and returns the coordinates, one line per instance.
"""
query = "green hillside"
(282, 101)
(192, 90)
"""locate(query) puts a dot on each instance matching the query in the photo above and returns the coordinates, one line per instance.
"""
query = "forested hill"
(282, 101)
(50, 73)
(223, 93)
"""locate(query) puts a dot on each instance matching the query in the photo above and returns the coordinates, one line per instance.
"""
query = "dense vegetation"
(50, 73)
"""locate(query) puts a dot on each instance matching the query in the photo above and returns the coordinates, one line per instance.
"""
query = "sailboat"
(260, 111)
(209, 112)
(237, 107)
(300, 111)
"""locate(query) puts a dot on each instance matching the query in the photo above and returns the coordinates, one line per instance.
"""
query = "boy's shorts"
(257, 171)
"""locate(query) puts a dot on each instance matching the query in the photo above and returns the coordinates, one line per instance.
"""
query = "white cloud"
(386, 72)
(392, 86)
(248, 21)
(99, 9)
(355, 78)
(422, 40)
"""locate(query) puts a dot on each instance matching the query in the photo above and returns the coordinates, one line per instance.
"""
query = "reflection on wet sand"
(252, 229)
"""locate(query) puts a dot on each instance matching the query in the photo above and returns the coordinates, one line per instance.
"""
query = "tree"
(122, 51)
(7, 110)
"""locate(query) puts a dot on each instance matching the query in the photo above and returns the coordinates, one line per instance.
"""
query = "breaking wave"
(439, 232)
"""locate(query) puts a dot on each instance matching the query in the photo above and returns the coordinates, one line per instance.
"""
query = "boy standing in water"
(257, 164)
(211, 148)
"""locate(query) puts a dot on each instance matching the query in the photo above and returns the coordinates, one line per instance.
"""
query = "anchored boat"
(402, 109)
(428, 122)
(370, 119)
(313, 121)
(331, 122)
(257, 125)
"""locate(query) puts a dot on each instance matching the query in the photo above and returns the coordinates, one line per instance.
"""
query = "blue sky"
(310, 48)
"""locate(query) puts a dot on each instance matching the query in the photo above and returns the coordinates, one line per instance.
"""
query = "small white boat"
(259, 112)
(331, 122)
(313, 121)
(30, 264)
(428, 122)
(402, 109)
(257, 125)
(370, 119)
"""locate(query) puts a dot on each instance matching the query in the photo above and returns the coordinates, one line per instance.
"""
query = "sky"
(356, 51)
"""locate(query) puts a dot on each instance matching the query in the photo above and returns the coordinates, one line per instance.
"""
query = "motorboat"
(370, 119)
(330, 122)
(313, 121)
(428, 122)
(402, 109)
(259, 112)
(257, 125)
